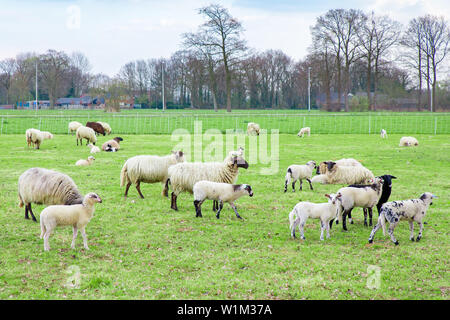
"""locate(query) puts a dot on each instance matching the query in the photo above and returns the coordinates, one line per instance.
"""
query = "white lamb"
(253, 128)
(74, 125)
(363, 196)
(408, 142)
(87, 162)
(94, 149)
(326, 212)
(396, 211)
(383, 133)
(299, 172)
(86, 133)
(77, 216)
(105, 126)
(222, 192)
(148, 169)
(183, 176)
(303, 131)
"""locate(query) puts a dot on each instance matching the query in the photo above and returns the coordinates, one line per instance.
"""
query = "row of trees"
(351, 52)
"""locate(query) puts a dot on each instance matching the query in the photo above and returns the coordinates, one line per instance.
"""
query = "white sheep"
(86, 133)
(112, 145)
(183, 176)
(411, 210)
(77, 216)
(299, 172)
(363, 196)
(383, 133)
(303, 131)
(83, 162)
(94, 149)
(221, 192)
(326, 212)
(105, 126)
(408, 141)
(74, 125)
(253, 128)
(35, 137)
(47, 135)
(43, 186)
(148, 169)
(350, 162)
(338, 174)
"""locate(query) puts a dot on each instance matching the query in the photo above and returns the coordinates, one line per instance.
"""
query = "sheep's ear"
(180, 153)
(327, 195)
(392, 177)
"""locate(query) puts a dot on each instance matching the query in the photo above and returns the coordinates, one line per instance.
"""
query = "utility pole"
(309, 88)
(36, 86)
(163, 98)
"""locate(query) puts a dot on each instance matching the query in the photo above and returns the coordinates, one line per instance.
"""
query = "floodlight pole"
(309, 88)
(162, 80)
(36, 86)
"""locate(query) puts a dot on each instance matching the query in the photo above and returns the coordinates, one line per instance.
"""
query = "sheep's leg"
(370, 216)
(219, 208)
(301, 229)
(310, 185)
(375, 229)
(285, 185)
(234, 208)
(365, 217)
(331, 224)
(173, 204)
(322, 229)
(198, 209)
(328, 226)
(46, 244)
(31, 211)
(344, 221)
(215, 205)
(350, 216)
(293, 186)
(294, 225)
(26, 212)
(301, 184)
(391, 232)
(75, 234)
(83, 233)
(138, 188)
(126, 189)
(165, 191)
(411, 229)
(419, 236)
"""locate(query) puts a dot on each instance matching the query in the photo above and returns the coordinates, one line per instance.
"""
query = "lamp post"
(309, 88)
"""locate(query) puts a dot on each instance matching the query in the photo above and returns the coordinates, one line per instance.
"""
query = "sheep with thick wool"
(221, 192)
(338, 174)
(93, 149)
(106, 127)
(363, 196)
(112, 145)
(303, 131)
(408, 142)
(183, 176)
(85, 162)
(77, 216)
(350, 162)
(299, 172)
(326, 212)
(413, 210)
(74, 125)
(86, 133)
(253, 128)
(35, 137)
(148, 169)
(43, 186)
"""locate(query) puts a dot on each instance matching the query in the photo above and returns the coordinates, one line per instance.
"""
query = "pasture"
(141, 249)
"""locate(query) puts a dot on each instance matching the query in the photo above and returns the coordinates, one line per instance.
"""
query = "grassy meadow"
(141, 249)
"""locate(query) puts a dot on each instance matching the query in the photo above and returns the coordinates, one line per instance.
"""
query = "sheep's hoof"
(412, 239)
(418, 238)
(365, 224)
(370, 241)
(396, 243)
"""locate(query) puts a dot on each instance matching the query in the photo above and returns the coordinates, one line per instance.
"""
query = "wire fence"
(285, 123)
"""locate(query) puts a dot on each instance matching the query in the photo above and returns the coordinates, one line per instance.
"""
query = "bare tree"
(7, 70)
(80, 68)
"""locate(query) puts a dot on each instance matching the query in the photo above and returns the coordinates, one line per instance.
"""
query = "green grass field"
(141, 249)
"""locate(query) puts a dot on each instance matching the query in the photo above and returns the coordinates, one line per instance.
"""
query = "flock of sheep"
(215, 181)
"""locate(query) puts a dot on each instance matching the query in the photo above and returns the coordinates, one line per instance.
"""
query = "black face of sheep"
(240, 162)
(330, 165)
(118, 139)
(249, 190)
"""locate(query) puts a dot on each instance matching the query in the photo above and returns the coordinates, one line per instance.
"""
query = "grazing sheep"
(94, 149)
(87, 162)
(363, 196)
(74, 125)
(323, 166)
(222, 192)
(77, 216)
(112, 145)
(408, 142)
(326, 212)
(97, 127)
(411, 210)
(105, 126)
(183, 176)
(383, 133)
(338, 174)
(299, 172)
(303, 131)
(42, 186)
(86, 133)
(47, 135)
(253, 128)
(148, 169)
(35, 137)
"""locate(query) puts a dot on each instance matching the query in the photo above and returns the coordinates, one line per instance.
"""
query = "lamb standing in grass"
(253, 128)
(303, 131)
(408, 142)
(299, 172)
(86, 133)
(326, 212)
(383, 133)
(35, 137)
(77, 216)
(94, 149)
(411, 210)
(148, 169)
(222, 192)
(87, 162)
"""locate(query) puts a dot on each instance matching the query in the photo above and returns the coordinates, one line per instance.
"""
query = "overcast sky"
(113, 32)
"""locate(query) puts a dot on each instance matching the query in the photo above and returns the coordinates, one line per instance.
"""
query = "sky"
(113, 32)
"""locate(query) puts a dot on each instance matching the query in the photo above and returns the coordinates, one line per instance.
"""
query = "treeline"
(357, 61)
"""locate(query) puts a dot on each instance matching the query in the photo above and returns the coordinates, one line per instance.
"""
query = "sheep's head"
(387, 179)
(248, 188)
(333, 198)
(312, 164)
(179, 156)
(118, 139)
(91, 158)
(239, 162)
(330, 165)
(91, 198)
(428, 197)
